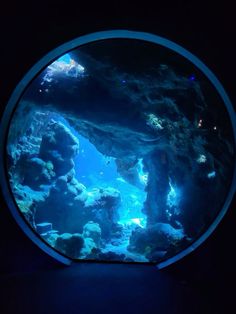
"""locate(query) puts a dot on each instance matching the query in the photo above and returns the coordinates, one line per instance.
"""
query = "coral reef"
(78, 206)
(92, 230)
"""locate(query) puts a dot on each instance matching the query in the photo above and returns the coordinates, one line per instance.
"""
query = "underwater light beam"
(173, 196)
(143, 176)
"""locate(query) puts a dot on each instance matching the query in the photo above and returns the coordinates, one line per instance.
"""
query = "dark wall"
(29, 31)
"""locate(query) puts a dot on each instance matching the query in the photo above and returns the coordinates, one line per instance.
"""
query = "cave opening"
(97, 172)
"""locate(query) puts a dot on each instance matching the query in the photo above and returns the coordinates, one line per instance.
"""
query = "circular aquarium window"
(118, 146)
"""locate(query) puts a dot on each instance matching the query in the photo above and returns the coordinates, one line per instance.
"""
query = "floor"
(105, 288)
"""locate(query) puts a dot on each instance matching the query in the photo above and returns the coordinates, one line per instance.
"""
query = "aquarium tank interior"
(120, 150)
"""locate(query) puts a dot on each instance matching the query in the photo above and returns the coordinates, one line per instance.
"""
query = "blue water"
(95, 170)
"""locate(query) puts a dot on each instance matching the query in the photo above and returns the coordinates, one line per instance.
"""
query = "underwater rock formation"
(111, 256)
(158, 240)
(44, 154)
(31, 168)
(70, 244)
(89, 250)
(128, 169)
(28, 199)
(78, 206)
(44, 227)
(59, 146)
(92, 230)
(157, 187)
(27, 127)
(36, 172)
(148, 117)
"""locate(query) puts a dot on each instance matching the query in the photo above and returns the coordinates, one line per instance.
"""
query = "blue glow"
(201, 159)
(173, 197)
(211, 175)
(65, 58)
(192, 78)
(143, 176)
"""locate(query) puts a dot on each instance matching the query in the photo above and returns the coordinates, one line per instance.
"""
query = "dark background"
(31, 282)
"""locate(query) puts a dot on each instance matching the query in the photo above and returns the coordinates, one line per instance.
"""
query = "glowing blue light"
(211, 175)
(201, 159)
(143, 176)
(65, 58)
(192, 78)
(138, 221)
(173, 197)
(141, 222)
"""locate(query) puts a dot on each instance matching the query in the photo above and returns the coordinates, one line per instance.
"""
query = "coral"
(51, 238)
(90, 249)
(92, 230)
(111, 256)
(154, 122)
(78, 206)
(35, 172)
(28, 200)
(59, 146)
(103, 205)
(156, 240)
(49, 166)
(70, 244)
(27, 209)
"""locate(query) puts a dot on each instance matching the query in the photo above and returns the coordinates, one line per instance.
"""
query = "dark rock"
(70, 244)
(28, 200)
(157, 187)
(156, 256)
(90, 249)
(111, 256)
(93, 253)
(92, 230)
(36, 172)
(59, 146)
(70, 206)
(129, 171)
(129, 259)
(157, 238)
(43, 227)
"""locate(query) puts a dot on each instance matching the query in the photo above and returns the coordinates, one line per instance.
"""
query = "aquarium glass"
(120, 150)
